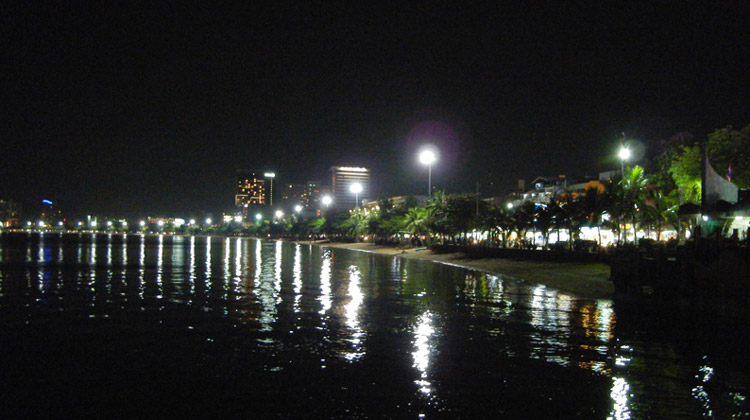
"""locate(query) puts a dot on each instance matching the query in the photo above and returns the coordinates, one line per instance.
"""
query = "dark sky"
(121, 108)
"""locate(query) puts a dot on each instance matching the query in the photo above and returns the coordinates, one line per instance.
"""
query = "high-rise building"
(10, 212)
(251, 189)
(342, 178)
(293, 194)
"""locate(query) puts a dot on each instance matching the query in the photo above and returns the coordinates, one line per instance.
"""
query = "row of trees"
(453, 218)
(641, 200)
(644, 199)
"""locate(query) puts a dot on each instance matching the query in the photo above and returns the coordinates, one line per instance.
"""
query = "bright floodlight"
(327, 200)
(208, 221)
(109, 223)
(258, 216)
(624, 153)
(142, 223)
(298, 208)
(356, 188)
(238, 218)
(160, 223)
(41, 223)
(192, 222)
(269, 175)
(279, 214)
(427, 157)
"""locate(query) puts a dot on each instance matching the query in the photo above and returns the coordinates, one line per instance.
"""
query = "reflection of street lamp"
(624, 155)
(356, 188)
(427, 157)
(271, 175)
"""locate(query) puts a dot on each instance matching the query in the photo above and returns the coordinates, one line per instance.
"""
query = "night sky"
(129, 109)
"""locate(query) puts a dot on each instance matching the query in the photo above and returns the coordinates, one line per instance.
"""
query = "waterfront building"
(250, 189)
(342, 177)
(293, 194)
(403, 202)
(10, 212)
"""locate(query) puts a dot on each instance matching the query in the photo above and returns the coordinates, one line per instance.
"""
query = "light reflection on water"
(343, 306)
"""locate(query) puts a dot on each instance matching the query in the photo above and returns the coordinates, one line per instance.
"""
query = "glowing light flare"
(356, 188)
(619, 394)
(327, 200)
(427, 157)
(279, 214)
(298, 208)
(422, 334)
(624, 153)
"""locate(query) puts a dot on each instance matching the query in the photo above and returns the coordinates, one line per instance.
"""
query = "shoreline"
(584, 280)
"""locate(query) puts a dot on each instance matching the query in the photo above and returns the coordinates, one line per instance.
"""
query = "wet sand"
(586, 280)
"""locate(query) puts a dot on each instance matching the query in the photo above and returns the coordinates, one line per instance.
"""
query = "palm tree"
(593, 205)
(415, 221)
(633, 194)
(661, 209)
(356, 225)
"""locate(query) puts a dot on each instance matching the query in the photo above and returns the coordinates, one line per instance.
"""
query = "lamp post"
(356, 188)
(427, 157)
(271, 175)
(624, 155)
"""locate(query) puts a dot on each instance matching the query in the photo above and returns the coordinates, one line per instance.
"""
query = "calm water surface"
(144, 326)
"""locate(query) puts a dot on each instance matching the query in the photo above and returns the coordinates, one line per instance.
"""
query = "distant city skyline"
(125, 111)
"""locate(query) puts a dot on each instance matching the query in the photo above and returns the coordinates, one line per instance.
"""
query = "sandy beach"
(586, 280)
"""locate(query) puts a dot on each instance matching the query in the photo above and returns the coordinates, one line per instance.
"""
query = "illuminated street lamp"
(258, 216)
(356, 188)
(327, 200)
(208, 221)
(624, 155)
(298, 208)
(279, 214)
(271, 175)
(427, 157)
